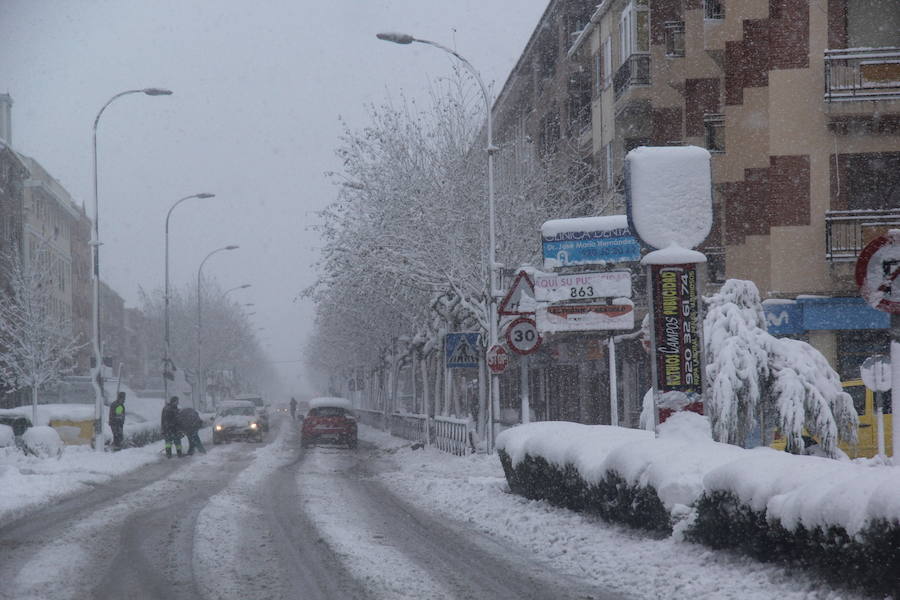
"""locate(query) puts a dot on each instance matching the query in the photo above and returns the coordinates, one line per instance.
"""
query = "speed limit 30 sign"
(522, 336)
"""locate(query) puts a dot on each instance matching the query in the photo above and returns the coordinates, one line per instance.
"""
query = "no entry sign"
(877, 272)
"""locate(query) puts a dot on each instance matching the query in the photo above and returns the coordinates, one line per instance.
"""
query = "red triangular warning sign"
(512, 305)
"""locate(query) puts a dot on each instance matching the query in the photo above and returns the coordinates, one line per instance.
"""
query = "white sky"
(259, 87)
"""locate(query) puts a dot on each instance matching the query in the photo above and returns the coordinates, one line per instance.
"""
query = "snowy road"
(262, 522)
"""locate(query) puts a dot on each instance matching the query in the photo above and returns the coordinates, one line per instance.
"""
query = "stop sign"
(497, 359)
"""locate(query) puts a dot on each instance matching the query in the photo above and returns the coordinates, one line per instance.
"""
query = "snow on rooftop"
(670, 195)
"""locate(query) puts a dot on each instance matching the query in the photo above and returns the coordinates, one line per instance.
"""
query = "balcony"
(862, 74)
(848, 231)
(634, 71)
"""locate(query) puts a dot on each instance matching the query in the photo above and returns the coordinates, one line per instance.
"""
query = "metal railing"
(372, 418)
(862, 74)
(451, 435)
(410, 427)
(634, 71)
(846, 231)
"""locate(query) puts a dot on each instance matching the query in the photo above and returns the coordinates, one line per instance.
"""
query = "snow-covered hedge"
(842, 517)
(42, 441)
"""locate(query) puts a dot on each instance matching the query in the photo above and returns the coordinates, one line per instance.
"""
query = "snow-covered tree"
(230, 341)
(37, 345)
(406, 239)
(751, 373)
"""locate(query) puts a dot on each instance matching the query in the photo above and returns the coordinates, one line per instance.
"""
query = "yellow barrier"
(74, 432)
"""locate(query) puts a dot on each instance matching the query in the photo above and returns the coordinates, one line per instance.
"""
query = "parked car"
(262, 410)
(329, 419)
(236, 420)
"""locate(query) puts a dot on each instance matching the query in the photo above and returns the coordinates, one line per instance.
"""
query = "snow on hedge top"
(669, 194)
(331, 402)
(684, 462)
(809, 491)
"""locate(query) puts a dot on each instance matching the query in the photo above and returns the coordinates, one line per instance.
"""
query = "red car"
(329, 419)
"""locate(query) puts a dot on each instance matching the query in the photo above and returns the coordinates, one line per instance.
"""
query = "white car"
(236, 420)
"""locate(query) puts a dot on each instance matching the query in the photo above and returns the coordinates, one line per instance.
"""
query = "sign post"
(877, 271)
(674, 220)
(876, 374)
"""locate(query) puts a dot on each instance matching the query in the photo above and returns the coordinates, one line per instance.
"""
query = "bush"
(869, 560)
(613, 498)
(42, 441)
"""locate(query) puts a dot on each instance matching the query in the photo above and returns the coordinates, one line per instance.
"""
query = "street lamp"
(166, 360)
(97, 371)
(235, 288)
(494, 388)
(200, 374)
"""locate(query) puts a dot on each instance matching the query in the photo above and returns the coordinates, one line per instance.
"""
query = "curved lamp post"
(235, 288)
(494, 388)
(97, 371)
(167, 366)
(201, 378)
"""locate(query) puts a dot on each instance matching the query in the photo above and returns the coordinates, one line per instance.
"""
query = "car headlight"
(253, 425)
(219, 428)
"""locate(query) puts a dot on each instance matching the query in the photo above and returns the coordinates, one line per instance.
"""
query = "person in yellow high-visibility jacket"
(117, 420)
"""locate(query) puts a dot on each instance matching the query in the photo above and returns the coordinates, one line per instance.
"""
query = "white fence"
(444, 433)
(410, 427)
(451, 435)
(372, 418)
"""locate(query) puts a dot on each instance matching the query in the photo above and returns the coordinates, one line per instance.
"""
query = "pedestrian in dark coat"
(189, 423)
(117, 420)
(293, 409)
(169, 426)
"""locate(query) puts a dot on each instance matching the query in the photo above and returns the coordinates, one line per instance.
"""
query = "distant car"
(329, 419)
(236, 420)
(262, 410)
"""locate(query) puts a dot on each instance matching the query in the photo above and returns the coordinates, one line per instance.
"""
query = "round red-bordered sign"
(497, 359)
(878, 273)
(522, 336)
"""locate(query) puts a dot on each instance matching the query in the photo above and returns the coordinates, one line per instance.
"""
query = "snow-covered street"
(385, 521)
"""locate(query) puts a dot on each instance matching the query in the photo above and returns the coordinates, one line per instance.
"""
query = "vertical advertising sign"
(676, 328)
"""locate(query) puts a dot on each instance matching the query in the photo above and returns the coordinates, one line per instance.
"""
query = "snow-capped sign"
(588, 241)
(556, 287)
(876, 373)
(594, 316)
(877, 270)
(462, 350)
(522, 336)
(519, 299)
(497, 359)
(668, 191)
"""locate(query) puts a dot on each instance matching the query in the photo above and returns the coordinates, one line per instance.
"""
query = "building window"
(674, 38)
(598, 74)
(634, 30)
(607, 61)
(715, 132)
(713, 9)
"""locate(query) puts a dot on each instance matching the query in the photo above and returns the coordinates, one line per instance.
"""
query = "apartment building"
(13, 174)
(799, 103)
(50, 217)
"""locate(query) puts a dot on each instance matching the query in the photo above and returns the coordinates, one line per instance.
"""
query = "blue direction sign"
(462, 350)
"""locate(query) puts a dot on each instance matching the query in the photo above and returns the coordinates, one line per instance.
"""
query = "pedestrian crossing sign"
(462, 350)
